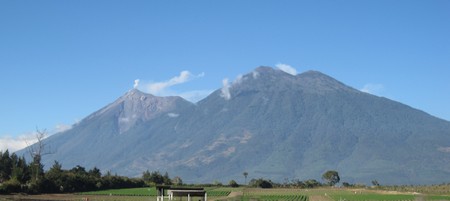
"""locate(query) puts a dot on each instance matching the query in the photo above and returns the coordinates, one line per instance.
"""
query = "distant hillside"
(268, 123)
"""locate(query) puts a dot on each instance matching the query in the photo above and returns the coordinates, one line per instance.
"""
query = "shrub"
(10, 186)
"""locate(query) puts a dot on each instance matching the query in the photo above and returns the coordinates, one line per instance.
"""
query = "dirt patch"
(319, 198)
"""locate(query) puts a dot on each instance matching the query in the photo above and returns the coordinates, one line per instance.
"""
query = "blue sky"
(62, 60)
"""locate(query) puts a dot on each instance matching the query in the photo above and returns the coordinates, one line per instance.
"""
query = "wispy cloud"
(157, 88)
(15, 143)
(375, 89)
(164, 88)
(287, 68)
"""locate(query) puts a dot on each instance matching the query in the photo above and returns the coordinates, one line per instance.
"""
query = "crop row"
(218, 193)
(277, 198)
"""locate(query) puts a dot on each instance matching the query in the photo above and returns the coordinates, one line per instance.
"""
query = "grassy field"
(245, 194)
(214, 192)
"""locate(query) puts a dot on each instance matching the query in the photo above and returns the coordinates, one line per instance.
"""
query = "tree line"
(18, 176)
(330, 177)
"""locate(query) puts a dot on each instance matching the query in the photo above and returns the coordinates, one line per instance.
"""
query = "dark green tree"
(20, 170)
(6, 166)
(8, 163)
(95, 173)
(331, 177)
(57, 178)
(166, 179)
(346, 184)
(233, 184)
(312, 183)
(155, 177)
(261, 183)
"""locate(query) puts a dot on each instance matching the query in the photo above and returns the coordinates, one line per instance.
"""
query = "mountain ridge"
(271, 124)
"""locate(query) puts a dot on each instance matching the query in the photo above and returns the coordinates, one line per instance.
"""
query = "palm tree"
(245, 175)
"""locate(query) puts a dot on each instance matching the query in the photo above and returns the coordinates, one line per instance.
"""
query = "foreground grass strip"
(438, 197)
(373, 197)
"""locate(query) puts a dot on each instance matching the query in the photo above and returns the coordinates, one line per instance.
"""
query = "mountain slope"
(268, 123)
(104, 138)
(301, 126)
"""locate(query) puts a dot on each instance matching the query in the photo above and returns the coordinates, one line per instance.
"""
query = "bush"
(10, 186)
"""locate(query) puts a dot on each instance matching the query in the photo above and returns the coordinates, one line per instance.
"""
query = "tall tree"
(5, 166)
(245, 175)
(166, 179)
(56, 177)
(36, 151)
(331, 177)
(20, 170)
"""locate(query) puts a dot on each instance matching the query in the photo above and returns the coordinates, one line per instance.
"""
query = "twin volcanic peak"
(268, 123)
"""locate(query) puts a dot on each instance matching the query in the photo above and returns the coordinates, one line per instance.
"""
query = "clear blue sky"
(62, 60)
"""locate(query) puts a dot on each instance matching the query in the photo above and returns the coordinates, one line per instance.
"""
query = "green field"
(246, 194)
(151, 191)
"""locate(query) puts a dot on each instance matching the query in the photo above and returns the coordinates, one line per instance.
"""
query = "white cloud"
(225, 89)
(287, 68)
(62, 128)
(158, 87)
(375, 89)
(16, 143)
